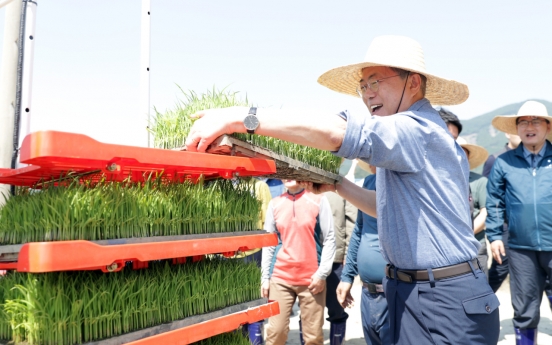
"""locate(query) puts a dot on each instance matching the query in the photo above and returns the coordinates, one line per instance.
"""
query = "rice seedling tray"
(286, 167)
(111, 255)
(195, 328)
(51, 154)
(199, 327)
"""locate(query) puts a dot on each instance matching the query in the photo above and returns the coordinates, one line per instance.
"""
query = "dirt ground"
(354, 325)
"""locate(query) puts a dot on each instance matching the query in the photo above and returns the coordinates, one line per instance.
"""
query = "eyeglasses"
(534, 122)
(372, 85)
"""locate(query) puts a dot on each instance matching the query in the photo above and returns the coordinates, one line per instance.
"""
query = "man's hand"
(344, 296)
(317, 285)
(265, 288)
(213, 123)
(316, 188)
(497, 248)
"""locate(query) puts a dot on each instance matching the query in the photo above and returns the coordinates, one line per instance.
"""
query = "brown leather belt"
(373, 288)
(423, 275)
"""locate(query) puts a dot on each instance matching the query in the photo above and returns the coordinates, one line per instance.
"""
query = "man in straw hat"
(519, 188)
(478, 196)
(478, 184)
(434, 286)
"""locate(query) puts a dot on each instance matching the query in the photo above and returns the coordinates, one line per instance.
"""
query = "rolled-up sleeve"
(396, 142)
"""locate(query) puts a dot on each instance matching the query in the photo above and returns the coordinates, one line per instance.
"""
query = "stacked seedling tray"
(132, 212)
(95, 206)
(293, 161)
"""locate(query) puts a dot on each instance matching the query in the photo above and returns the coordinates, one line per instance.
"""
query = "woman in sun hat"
(519, 192)
(433, 285)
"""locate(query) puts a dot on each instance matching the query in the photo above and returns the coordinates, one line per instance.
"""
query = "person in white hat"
(519, 192)
(434, 287)
(478, 196)
(478, 184)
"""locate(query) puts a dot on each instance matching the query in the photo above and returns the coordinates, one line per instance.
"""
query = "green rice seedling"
(111, 210)
(231, 338)
(171, 128)
(65, 308)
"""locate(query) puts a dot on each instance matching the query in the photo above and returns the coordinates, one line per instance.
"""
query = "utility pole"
(145, 62)
(8, 85)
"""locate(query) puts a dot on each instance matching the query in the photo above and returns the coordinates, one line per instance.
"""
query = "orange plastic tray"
(52, 154)
(37, 257)
(208, 329)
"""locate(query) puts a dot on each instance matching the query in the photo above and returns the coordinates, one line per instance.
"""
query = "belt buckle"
(404, 277)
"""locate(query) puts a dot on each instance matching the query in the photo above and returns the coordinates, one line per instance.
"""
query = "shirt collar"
(527, 153)
(419, 104)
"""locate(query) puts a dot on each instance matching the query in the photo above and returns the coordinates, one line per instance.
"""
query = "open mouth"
(531, 135)
(374, 108)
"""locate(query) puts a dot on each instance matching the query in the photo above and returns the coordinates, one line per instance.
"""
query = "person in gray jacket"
(344, 215)
(519, 188)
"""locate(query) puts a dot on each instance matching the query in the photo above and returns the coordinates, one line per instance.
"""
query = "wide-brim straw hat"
(399, 52)
(477, 155)
(507, 123)
(363, 165)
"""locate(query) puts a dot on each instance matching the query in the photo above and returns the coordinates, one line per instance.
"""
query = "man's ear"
(415, 83)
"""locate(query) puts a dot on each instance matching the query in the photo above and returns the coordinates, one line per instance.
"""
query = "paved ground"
(354, 325)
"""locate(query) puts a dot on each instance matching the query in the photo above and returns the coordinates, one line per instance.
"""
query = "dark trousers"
(499, 272)
(336, 313)
(528, 272)
(458, 310)
(483, 257)
(375, 318)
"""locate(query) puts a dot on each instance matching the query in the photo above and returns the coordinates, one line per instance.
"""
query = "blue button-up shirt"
(364, 254)
(421, 184)
(533, 162)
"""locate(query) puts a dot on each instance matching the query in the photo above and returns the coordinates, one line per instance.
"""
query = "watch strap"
(252, 111)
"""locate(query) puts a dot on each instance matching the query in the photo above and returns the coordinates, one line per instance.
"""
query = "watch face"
(251, 122)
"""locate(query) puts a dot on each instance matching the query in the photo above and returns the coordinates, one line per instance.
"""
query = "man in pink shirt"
(298, 267)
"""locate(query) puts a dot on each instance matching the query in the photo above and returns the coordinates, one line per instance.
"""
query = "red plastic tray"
(37, 257)
(52, 154)
(211, 328)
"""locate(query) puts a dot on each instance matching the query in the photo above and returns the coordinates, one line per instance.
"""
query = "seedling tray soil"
(286, 168)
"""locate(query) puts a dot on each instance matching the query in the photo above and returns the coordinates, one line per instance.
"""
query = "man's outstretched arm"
(324, 132)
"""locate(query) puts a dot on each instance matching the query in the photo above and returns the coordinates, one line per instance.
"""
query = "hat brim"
(477, 155)
(507, 123)
(439, 91)
(363, 165)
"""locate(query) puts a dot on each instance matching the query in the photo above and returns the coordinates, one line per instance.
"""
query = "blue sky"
(87, 54)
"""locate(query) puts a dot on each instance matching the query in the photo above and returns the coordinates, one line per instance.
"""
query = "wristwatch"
(251, 121)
